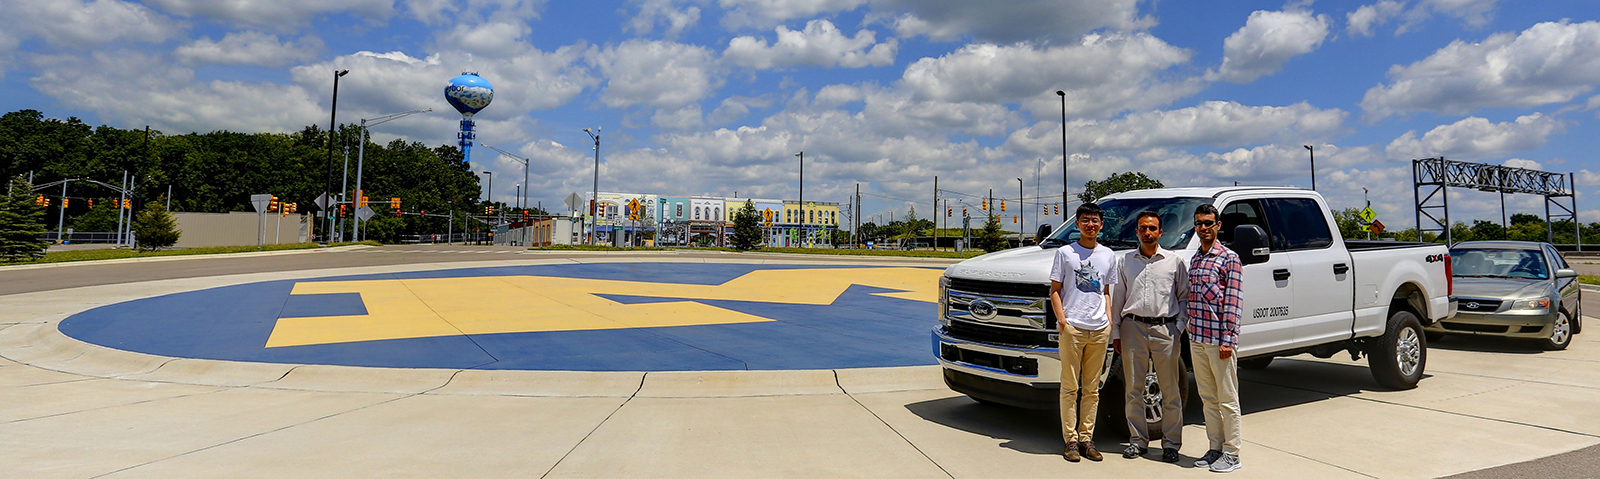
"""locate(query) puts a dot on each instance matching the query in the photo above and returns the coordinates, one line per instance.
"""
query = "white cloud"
(1545, 64)
(282, 15)
(767, 13)
(248, 48)
(1524, 164)
(1008, 21)
(1101, 75)
(665, 12)
(76, 24)
(1364, 19)
(498, 39)
(736, 107)
(821, 44)
(1210, 124)
(683, 118)
(834, 96)
(1474, 13)
(656, 73)
(1476, 138)
(123, 88)
(1267, 41)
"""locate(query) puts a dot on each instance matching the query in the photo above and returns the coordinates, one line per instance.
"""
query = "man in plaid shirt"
(1215, 277)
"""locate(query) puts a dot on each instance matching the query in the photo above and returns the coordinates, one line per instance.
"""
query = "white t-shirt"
(1084, 275)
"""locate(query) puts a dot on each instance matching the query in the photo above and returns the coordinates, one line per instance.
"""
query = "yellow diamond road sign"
(1367, 214)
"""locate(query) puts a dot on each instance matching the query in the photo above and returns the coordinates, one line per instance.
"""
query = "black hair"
(1090, 209)
(1206, 209)
(1148, 214)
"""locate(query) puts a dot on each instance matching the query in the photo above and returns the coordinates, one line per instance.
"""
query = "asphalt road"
(1575, 464)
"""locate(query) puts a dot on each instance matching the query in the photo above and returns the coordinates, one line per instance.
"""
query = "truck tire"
(1398, 358)
(1560, 334)
(1255, 364)
(1111, 394)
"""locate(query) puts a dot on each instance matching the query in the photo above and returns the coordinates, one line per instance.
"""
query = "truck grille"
(999, 335)
(1021, 290)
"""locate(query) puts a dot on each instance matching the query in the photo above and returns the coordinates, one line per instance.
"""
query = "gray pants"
(1145, 346)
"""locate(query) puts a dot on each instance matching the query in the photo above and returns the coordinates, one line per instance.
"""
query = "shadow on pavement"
(1486, 344)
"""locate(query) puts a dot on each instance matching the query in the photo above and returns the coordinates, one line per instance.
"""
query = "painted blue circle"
(857, 330)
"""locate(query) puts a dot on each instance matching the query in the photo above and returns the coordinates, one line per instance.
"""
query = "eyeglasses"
(1205, 223)
(1149, 228)
(1093, 221)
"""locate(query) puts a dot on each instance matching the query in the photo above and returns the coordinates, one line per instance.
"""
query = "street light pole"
(1065, 160)
(1313, 166)
(332, 124)
(594, 201)
(802, 155)
(1022, 213)
(361, 152)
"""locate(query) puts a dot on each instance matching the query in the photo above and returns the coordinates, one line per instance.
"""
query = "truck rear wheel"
(1398, 358)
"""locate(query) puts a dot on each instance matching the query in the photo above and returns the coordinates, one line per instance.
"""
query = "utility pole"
(802, 155)
(935, 211)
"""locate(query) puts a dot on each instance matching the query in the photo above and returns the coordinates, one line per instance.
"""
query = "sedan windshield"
(1121, 222)
(1498, 263)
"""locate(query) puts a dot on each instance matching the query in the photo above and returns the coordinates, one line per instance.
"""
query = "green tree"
(155, 228)
(1487, 230)
(1117, 183)
(991, 238)
(102, 217)
(1349, 220)
(746, 227)
(21, 224)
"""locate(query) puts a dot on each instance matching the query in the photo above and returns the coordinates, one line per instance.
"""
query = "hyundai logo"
(983, 310)
(1473, 305)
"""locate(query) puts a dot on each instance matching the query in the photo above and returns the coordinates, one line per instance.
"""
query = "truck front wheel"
(1398, 357)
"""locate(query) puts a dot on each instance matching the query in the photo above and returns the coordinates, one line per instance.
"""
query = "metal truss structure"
(1432, 178)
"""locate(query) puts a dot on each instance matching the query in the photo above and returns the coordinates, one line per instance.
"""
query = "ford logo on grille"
(983, 310)
(1473, 305)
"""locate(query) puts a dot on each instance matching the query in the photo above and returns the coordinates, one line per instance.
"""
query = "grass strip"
(120, 253)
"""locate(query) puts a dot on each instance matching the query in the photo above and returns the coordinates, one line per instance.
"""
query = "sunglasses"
(1205, 223)
(1149, 228)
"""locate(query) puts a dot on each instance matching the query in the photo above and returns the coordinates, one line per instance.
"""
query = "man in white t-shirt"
(1080, 286)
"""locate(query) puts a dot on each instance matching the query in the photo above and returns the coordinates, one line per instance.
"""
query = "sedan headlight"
(1536, 304)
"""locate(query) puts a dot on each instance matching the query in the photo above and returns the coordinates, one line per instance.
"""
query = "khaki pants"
(1218, 382)
(1083, 355)
(1145, 346)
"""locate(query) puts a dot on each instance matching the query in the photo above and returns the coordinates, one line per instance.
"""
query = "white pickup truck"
(1306, 290)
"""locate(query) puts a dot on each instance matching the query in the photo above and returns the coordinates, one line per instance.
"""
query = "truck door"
(1324, 281)
(1267, 294)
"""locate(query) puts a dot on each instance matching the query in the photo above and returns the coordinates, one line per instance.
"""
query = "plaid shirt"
(1215, 278)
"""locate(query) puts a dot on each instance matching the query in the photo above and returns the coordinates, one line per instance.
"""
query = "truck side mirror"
(1250, 242)
(1044, 231)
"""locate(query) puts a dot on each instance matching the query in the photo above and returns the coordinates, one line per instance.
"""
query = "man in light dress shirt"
(1148, 300)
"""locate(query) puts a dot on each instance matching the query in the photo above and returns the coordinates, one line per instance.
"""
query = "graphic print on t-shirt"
(1087, 278)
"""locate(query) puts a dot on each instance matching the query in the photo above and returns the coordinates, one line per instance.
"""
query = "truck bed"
(1358, 245)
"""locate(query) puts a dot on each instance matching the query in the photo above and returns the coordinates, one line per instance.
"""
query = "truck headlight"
(1536, 304)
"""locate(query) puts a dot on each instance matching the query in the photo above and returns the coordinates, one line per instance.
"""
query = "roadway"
(77, 409)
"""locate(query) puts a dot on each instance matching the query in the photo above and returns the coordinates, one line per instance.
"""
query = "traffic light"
(64, 202)
(986, 205)
(91, 203)
(294, 207)
(272, 206)
(283, 210)
(397, 213)
(1057, 209)
(1013, 218)
(394, 203)
(948, 212)
(964, 212)
(341, 210)
(1002, 205)
(41, 201)
(127, 204)
(361, 199)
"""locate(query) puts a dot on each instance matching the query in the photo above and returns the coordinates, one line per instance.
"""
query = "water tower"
(469, 93)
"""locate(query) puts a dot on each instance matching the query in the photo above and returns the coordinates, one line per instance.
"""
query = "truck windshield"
(1120, 231)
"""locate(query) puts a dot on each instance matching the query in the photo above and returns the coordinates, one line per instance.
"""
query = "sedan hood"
(1500, 288)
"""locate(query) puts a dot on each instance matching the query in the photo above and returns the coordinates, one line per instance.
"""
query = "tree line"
(217, 172)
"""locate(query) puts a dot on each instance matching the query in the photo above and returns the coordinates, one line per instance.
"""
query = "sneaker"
(1228, 463)
(1089, 452)
(1206, 460)
(1132, 451)
(1072, 451)
(1169, 455)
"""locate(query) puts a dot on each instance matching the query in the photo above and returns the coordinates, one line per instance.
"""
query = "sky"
(716, 97)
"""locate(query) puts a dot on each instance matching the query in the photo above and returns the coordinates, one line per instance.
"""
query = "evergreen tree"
(991, 239)
(155, 228)
(746, 227)
(21, 224)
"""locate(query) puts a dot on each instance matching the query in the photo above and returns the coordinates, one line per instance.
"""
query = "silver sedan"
(1515, 289)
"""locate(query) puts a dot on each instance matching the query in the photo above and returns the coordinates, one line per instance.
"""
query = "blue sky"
(716, 96)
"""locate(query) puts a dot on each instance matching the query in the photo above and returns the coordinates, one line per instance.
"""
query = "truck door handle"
(1280, 274)
(1340, 268)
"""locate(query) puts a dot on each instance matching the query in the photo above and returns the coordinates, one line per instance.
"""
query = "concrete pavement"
(78, 410)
